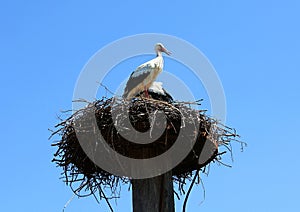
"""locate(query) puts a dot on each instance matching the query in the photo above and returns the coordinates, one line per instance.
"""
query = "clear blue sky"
(253, 45)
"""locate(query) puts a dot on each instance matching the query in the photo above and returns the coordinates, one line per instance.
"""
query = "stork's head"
(160, 48)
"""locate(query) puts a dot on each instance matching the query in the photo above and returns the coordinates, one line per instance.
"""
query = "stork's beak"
(166, 51)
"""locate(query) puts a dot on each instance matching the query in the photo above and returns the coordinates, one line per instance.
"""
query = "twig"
(108, 203)
(66, 205)
(189, 191)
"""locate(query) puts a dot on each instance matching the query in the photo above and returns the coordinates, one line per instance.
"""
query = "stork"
(142, 78)
(156, 91)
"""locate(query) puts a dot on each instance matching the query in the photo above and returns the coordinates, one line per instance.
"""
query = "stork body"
(142, 78)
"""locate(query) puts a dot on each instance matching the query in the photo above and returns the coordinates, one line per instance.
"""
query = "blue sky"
(253, 45)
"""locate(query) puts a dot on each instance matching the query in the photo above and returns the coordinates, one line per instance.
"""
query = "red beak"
(166, 51)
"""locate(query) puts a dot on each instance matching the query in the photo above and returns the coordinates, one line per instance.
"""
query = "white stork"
(142, 78)
(156, 91)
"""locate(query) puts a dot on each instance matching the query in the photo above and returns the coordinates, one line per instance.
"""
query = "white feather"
(156, 87)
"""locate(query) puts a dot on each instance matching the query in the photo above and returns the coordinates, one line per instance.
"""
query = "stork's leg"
(146, 92)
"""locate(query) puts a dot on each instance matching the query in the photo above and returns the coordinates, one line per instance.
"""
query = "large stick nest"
(83, 175)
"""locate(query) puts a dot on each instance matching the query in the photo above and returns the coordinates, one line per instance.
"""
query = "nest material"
(80, 172)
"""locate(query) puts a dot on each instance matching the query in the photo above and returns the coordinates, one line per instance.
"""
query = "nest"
(86, 178)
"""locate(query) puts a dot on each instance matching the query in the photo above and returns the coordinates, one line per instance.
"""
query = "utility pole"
(153, 194)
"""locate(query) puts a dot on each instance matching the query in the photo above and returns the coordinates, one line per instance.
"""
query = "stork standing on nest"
(142, 78)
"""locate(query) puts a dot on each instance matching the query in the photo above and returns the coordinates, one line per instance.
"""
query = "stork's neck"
(158, 54)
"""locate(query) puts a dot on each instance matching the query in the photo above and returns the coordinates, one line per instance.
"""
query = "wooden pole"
(153, 194)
